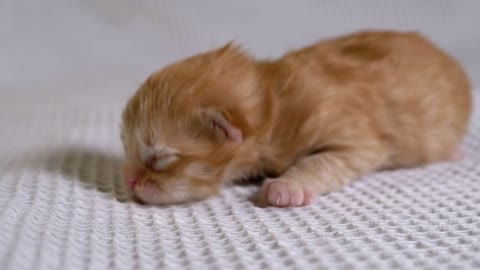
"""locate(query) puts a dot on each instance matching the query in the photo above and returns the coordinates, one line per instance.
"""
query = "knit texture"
(63, 206)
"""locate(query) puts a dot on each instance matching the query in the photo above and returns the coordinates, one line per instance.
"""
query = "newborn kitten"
(312, 121)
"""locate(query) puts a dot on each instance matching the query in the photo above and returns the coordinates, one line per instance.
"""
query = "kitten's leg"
(320, 173)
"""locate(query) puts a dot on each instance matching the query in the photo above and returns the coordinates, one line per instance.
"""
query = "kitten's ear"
(226, 46)
(229, 49)
(220, 123)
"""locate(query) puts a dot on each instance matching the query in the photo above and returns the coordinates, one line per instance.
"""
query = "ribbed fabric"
(63, 206)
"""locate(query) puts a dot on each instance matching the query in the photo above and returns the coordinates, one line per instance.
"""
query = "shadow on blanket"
(93, 168)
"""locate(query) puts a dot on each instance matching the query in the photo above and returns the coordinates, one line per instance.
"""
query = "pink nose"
(130, 182)
(132, 175)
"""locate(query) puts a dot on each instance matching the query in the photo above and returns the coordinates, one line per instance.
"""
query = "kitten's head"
(185, 124)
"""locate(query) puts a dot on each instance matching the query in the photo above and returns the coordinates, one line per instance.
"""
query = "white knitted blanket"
(67, 68)
(63, 206)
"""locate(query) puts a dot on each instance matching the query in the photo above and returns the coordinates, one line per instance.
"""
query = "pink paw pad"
(285, 194)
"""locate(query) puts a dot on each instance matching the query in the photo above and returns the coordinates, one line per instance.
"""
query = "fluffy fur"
(312, 121)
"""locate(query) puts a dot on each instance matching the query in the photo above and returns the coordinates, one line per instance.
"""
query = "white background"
(93, 50)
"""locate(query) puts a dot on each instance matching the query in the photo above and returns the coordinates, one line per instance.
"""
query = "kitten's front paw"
(283, 193)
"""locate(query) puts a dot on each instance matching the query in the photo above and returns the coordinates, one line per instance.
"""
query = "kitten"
(313, 120)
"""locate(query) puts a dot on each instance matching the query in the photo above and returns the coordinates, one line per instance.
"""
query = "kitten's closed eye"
(162, 161)
(157, 158)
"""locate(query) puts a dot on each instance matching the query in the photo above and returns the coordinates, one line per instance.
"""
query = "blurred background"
(96, 52)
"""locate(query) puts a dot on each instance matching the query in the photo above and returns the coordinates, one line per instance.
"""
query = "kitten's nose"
(132, 175)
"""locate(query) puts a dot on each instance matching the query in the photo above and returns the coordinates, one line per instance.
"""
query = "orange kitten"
(312, 121)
